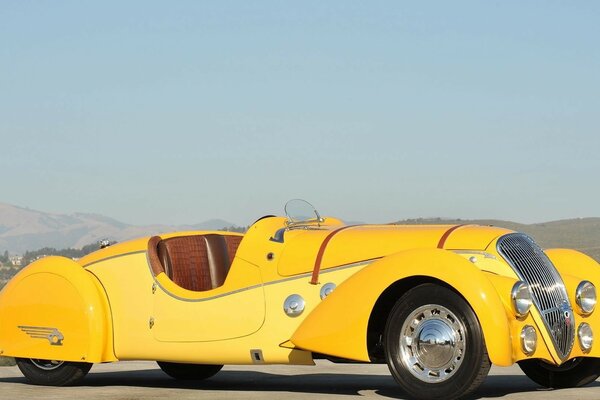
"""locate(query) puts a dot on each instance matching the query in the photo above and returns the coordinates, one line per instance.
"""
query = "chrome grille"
(547, 288)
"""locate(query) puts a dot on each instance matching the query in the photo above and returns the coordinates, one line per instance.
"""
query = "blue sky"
(177, 112)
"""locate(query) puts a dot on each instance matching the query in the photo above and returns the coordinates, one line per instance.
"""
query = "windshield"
(301, 212)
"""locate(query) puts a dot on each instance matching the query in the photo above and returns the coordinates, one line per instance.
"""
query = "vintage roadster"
(438, 304)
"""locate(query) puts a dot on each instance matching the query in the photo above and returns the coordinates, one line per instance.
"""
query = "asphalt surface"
(143, 380)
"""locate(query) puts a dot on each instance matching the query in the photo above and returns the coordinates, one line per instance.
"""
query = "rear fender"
(338, 326)
(54, 309)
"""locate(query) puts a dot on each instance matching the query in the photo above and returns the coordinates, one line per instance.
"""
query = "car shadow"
(495, 386)
(327, 384)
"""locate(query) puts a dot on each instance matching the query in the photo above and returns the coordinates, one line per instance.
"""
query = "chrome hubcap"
(432, 345)
(46, 365)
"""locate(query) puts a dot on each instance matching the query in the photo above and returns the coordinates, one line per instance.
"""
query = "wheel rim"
(46, 365)
(432, 343)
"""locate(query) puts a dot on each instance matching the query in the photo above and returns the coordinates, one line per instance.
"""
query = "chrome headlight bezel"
(585, 297)
(528, 340)
(521, 298)
(585, 336)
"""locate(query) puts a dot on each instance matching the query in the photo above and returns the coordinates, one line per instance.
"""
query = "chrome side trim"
(485, 254)
(113, 257)
(292, 278)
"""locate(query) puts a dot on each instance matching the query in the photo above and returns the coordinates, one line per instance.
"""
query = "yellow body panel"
(117, 250)
(339, 325)
(474, 237)
(54, 309)
(367, 242)
(210, 318)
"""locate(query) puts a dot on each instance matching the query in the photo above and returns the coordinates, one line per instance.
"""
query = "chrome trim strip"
(113, 257)
(485, 254)
(292, 278)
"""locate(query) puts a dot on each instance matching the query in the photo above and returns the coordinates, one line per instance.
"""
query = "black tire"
(52, 373)
(574, 373)
(458, 361)
(189, 371)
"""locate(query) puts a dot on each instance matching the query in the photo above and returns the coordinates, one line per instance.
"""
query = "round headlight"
(586, 336)
(521, 298)
(528, 339)
(585, 296)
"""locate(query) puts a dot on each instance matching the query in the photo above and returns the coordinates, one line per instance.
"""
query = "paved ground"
(143, 380)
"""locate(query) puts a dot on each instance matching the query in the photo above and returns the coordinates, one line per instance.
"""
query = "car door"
(233, 310)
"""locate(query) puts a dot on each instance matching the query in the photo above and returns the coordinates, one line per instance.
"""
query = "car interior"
(194, 262)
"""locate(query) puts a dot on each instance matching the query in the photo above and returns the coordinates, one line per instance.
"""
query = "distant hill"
(582, 234)
(23, 229)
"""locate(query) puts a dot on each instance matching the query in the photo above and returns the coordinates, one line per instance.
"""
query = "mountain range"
(22, 229)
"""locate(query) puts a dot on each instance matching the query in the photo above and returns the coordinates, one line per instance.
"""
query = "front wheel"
(52, 372)
(434, 345)
(189, 371)
(573, 373)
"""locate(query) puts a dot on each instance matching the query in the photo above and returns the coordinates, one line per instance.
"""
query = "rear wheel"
(574, 373)
(434, 345)
(52, 372)
(188, 371)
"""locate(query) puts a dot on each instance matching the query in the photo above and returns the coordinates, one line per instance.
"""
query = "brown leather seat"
(197, 262)
(233, 242)
(218, 259)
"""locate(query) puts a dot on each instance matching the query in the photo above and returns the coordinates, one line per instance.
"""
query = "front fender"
(574, 267)
(54, 309)
(338, 326)
(575, 263)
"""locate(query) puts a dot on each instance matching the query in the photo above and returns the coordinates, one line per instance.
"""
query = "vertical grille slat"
(547, 288)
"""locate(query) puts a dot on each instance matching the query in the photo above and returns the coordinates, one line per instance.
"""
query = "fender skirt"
(54, 309)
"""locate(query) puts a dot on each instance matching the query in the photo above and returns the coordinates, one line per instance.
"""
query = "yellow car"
(438, 304)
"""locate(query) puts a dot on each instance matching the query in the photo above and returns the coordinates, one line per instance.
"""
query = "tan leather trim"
(218, 259)
(315, 275)
(153, 257)
(446, 235)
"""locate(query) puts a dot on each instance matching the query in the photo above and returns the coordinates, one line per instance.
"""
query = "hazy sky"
(177, 112)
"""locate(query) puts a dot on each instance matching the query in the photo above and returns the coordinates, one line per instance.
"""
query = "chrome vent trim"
(532, 265)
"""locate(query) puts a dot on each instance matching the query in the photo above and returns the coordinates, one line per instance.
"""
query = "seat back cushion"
(188, 262)
(218, 259)
(233, 242)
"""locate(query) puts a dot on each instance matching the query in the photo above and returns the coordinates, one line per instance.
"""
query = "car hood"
(345, 245)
